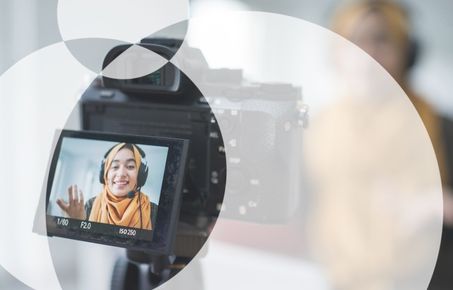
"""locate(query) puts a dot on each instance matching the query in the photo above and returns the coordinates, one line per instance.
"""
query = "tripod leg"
(125, 276)
(129, 275)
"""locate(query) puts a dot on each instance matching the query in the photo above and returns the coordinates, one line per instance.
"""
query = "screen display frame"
(160, 239)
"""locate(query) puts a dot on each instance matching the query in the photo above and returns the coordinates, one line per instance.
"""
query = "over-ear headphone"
(413, 50)
(143, 168)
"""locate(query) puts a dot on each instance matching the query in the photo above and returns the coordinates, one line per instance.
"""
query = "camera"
(167, 103)
(211, 136)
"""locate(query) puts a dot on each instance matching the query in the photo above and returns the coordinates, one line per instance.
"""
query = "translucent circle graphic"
(354, 201)
(37, 95)
(343, 201)
(90, 29)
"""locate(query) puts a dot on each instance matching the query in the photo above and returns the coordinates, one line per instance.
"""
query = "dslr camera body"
(167, 103)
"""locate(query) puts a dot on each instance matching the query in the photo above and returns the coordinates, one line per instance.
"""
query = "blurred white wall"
(432, 25)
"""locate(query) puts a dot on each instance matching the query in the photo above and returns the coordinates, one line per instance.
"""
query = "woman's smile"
(122, 174)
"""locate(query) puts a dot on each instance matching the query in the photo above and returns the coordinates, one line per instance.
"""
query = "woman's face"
(122, 174)
(374, 35)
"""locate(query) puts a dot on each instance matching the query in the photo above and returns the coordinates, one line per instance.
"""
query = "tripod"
(130, 275)
(139, 270)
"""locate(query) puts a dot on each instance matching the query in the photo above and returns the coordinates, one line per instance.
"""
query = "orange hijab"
(122, 211)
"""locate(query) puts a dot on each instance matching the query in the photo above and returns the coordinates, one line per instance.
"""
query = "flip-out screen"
(116, 189)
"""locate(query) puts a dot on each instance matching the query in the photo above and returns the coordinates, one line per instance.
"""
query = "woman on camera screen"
(123, 172)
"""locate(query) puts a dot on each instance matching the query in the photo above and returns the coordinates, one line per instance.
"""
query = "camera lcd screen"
(116, 189)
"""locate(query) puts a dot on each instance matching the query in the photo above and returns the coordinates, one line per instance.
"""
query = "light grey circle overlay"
(353, 201)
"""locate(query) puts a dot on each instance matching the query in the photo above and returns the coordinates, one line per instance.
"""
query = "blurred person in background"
(382, 29)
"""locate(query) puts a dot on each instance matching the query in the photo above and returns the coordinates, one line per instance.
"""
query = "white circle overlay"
(371, 219)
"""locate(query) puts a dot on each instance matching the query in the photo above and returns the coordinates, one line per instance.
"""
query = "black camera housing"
(173, 108)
